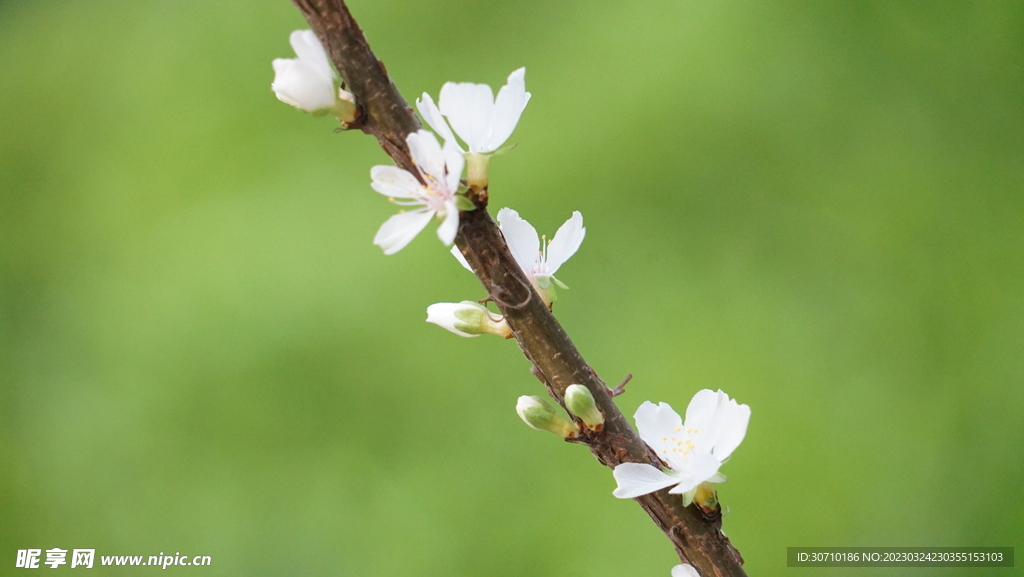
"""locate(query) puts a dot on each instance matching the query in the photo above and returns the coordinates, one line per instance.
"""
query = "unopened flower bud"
(684, 570)
(308, 83)
(580, 402)
(467, 319)
(540, 415)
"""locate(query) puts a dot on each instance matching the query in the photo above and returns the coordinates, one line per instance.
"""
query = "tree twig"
(385, 114)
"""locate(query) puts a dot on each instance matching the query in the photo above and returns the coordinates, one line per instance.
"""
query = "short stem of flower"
(345, 110)
(476, 170)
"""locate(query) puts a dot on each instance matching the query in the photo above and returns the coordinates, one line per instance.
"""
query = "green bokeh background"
(815, 206)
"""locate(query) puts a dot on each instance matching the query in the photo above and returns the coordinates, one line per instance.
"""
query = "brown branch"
(695, 533)
(384, 114)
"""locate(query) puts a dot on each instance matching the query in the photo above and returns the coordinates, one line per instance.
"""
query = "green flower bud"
(580, 402)
(467, 319)
(540, 415)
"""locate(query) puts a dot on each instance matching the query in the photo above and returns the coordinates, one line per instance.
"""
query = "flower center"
(540, 266)
(679, 444)
(434, 194)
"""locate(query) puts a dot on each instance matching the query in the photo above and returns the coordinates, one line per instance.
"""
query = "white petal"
(469, 109)
(731, 430)
(662, 429)
(698, 467)
(684, 570)
(302, 85)
(427, 155)
(637, 479)
(450, 227)
(309, 49)
(508, 107)
(521, 237)
(720, 422)
(654, 422)
(566, 241)
(443, 315)
(430, 113)
(462, 260)
(397, 231)
(454, 162)
(395, 182)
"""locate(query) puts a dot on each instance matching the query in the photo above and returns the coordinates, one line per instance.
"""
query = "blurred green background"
(815, 206)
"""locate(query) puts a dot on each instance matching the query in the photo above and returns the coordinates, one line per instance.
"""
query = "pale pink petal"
(566, 242)
(521, 237)
(469, 109)
(427, 155)
(394, 182)
(450, 227)
(454, 162)
(397, 231)
(508, 107)
(636, 479)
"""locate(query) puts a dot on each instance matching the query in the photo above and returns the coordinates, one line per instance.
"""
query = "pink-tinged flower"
(694, 451)
(440, 169)
(538, 258)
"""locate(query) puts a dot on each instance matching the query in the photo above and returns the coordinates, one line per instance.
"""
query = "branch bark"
(695, 533)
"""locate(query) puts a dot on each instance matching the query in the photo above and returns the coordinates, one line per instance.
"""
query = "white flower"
(306, 82)
(481, 120)
(467, 319)
(538, 258)
(694, 451)
(440, 169)
(684, 570)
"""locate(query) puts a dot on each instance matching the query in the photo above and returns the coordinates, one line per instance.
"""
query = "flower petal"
(443, 315)
(662, 429)
(636, 479)
(427, 155)
(453, 162)
(566, 241)
(469, 108)
(731, 430)
(309, 49)
(450, 226)
(301, 84)
(684, 570)
(697, 468)
(656, 421)
(719, 423)
(397, 231)
(508, 107)
(430, 113)
(522, 239)
(462, 260)
(395, 182)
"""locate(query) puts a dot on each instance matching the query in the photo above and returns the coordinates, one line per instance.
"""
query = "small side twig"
(622, 386)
